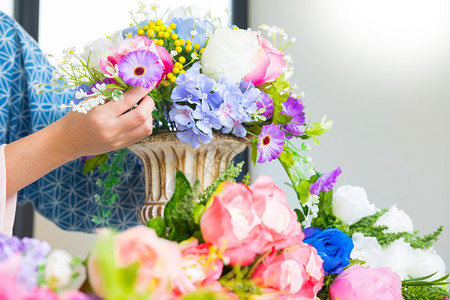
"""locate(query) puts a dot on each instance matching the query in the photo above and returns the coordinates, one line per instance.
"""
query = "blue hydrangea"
(202, 105)
(193, 29)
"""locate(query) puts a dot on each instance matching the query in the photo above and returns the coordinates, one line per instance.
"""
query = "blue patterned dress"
(65, 195)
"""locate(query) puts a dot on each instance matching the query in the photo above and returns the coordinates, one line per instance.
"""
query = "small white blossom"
(173, 53)
(293, 39)
(36, 88)
(58, 270)
(99, 87)
(80, 94)
(194, 32)
(117, 95)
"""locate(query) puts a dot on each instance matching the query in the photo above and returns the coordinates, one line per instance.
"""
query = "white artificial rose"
(427, 262)
(350, 204)
(397, 220)
(229, 53)
(58, 269)
(101, 48)
(368, 250)
(399, 257)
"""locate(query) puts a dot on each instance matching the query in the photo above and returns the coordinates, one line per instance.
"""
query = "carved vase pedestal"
(163, 154)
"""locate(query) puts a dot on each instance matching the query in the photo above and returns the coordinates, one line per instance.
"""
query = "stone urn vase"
(163, 154)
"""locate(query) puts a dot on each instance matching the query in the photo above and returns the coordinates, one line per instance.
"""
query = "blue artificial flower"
(333, 246)
(193, 136)
(193, 29)
(207, 119)
(181, 115)
(230, 110)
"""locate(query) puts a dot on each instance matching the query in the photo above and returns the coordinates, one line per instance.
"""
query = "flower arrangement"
(204, 78)
(241, 240)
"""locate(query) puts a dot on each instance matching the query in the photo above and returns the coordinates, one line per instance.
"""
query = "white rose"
(229, 53)
(350, 204)
(399, 256)
(427, 262)
(367, 249)
(397, 220)
(58, 270)
(101, 48)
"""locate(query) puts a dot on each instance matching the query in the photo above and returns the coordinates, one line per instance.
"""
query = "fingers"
(130, 99)
(138, 133)
(141, 114)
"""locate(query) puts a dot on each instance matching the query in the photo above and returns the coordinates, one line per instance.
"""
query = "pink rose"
(278, 220)
(200, 266)
(10, 288)
(268, 63)
(41, 293)
(296, 272)
(134, 44)
(73, 295)
(158, 260)
(231, 224)
(358, 282)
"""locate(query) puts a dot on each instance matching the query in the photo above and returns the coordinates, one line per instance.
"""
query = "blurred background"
(379, 69)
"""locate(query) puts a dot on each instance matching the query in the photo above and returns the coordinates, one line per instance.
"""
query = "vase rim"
(172, 136)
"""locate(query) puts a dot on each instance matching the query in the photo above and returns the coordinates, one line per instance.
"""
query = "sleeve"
(7, 205)
(66, 195)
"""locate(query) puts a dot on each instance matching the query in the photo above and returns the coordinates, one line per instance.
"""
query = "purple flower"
(140, 68)
(193, 136)
(270, 145)
(9, 246)
(267, 103)
(229, 110)
(294, 107)
(325, 182)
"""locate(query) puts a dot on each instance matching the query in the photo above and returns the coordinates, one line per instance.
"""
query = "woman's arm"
(108, 127)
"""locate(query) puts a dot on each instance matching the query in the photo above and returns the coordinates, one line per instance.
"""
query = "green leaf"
(254, 146)
(114, 86)
(198, 212)
(178, 213)
(287, 157)
(159, 225)
(302, 189)
(92, 163)
(127, 276)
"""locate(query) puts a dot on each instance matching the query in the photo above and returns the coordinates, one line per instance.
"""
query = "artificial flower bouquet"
(204, 78)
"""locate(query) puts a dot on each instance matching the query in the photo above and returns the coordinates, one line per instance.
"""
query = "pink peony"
(268, 63)
(158, 260)
(231, 224)
(134, 44)
(201, 267)
(296, 272)
(278, 220)
(358, 282)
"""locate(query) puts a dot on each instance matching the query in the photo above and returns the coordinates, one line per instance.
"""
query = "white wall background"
(381, 71)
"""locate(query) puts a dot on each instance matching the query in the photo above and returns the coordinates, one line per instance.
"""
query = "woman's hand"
(107, 127)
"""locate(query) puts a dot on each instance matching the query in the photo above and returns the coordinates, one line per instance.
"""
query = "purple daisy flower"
(325, 182)
(267, 103)
(140, 68)
(294, 107)
(270, 143)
